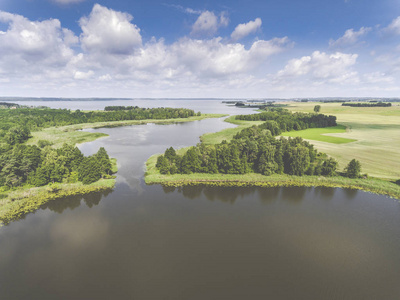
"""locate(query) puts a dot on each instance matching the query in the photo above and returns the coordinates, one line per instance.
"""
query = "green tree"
(317, 108)
(353, 169)
(299, 160)
(104, 161)
(90, 170)
(329, 167)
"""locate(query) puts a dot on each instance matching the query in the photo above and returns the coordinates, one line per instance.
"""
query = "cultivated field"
(375, 129)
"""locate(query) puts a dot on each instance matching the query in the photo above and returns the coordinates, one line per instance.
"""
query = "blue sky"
(220, 48)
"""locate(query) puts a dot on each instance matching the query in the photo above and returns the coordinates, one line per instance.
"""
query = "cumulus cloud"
(207, 24)
(350, 37)
(109, 31)
(26, 44)
(243, 30)
(322, 66)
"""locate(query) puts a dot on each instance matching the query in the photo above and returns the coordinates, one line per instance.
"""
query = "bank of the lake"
(73, 134)
(26, 200)
(17, 202)
(372, 185)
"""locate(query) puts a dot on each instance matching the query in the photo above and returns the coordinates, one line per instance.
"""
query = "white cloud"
(394, 27)
(83, 75)
(322, 66)
(350, 37)
(109, 31)
(28, 44)
(186, 10)
(207, 24)
(243, 30)
(378, 77)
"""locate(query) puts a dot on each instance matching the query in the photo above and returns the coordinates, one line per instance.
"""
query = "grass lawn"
(375, 129)
(319, 134)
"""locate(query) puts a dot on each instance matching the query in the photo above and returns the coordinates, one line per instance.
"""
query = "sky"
(200, 49)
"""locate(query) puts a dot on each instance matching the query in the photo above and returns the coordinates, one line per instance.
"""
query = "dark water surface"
(150, 242)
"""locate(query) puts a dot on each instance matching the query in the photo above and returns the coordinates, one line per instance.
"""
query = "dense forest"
(377, 104)
(26, 164)
(33, 119)
(255, 149)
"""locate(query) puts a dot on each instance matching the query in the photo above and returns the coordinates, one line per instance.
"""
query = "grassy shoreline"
(24, 200)
(372, 185)
(16, 203)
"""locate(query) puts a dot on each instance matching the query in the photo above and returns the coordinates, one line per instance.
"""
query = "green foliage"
(317, 108)
(17, 135)
(364, 104)
(44, 143)
(353, 169)
(253, 149)
(288, 121)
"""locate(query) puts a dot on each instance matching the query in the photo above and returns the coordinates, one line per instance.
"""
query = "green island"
(359, 152)
(39, 160)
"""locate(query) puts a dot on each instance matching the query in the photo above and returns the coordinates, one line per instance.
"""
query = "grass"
(227, 134)
(376, 131)
(319, 134)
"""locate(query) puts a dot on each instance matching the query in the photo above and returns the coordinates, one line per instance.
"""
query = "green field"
(320, 134)
(227, 134)
(375, 129)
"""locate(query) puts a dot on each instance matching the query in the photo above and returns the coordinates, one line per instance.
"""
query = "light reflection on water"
(153, 242)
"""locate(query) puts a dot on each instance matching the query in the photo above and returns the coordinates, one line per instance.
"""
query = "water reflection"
(72, 202)
(291, 195)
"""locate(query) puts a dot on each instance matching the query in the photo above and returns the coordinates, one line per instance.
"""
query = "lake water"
(150, 242)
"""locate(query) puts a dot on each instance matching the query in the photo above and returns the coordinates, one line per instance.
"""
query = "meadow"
(320, 134)
(375, 131)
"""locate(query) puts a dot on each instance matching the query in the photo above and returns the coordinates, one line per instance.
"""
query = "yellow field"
(376, 131)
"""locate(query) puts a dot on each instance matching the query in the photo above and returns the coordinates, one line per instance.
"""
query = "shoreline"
(21, 201)
(372, 185)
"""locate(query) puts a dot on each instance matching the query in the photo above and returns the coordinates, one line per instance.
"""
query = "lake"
(150, 242)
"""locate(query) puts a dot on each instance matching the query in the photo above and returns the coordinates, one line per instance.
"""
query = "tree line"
(254, 149)
(34, 119)
(283, 120)
(29, 164)
(378, 104)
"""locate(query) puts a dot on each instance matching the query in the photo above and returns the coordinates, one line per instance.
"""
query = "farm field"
(376, 131)
(320, 134)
